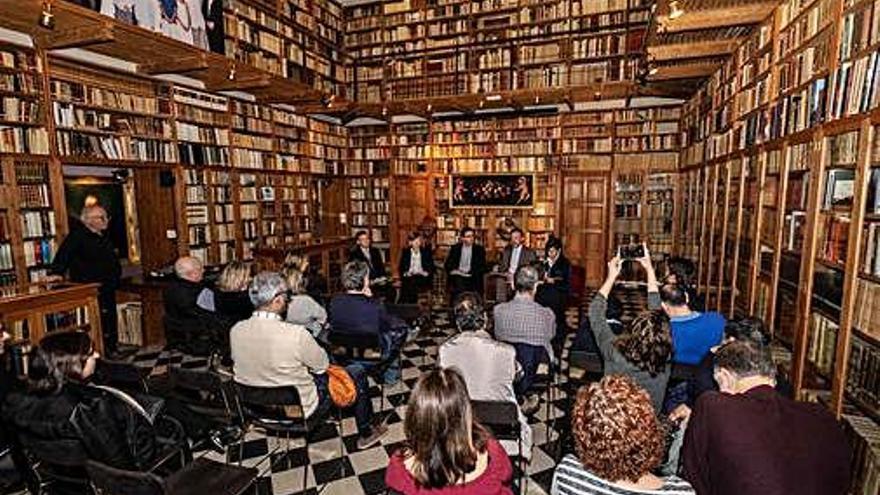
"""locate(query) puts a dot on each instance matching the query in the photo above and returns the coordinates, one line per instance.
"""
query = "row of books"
(6, 259)
(13, 109)
(200, 134)
(75, 143)
(110, 99)
(38, 223)
(866, 312)
(20, 83)
(32, 141)
(822, 343)
(864, 437)
(70, 116)
(20, 60)
(38, 252)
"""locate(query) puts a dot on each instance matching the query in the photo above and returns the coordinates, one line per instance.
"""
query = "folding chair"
(201, 476)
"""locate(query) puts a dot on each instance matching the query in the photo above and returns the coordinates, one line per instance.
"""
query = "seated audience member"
(465, 264)
(365, 252)
(188, 327)
(619, 443)
(231, 300)
(416, 269)
(60, 404)
(355, 312)
(489, 367)
(703, 379)
(555, 287)
(749, 440)
(269, 352)
(693, 333)
(681, 271)
(527, 325)
(316, 284)
(302, 309)
(446, 450)
(643, 351)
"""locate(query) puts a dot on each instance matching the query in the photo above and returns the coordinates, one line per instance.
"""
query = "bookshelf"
(407, 50)
(800, 97)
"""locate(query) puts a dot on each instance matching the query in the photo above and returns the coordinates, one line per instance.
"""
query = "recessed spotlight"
(493, 98)
(653, 71)
(231, 74)
(47, 18)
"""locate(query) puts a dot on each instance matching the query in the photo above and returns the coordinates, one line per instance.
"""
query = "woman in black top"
(231, 299)
(554, 289)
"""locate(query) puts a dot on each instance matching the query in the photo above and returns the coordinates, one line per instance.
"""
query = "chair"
(502, 419)
(201, 476)
(123, 375)
(56, 461)
(279, 410)
(545, 384)
(202, 392)
(348, 348)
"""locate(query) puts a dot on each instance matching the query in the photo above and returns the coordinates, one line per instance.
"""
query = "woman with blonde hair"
(447, 451)
(301, 308)
(231, 300)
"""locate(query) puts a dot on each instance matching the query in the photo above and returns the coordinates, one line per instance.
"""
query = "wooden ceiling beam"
(175, 66)
(76, 37)
(241, 83)
(734, 15)
(667, 72)
(700, 49)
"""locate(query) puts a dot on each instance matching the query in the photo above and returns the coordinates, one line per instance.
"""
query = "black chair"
(346, 348)
(123, 375)
(200, 477)
(279, 410)
(502, 419)
(56, 462)
(202, 392)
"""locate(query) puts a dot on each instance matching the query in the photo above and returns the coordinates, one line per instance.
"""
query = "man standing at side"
(466, 264)
(749, 440)
(87, 255)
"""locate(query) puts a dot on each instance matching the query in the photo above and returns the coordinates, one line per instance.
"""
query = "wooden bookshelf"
(798, 100)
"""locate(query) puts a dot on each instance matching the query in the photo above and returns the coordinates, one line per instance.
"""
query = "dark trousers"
(529, 357)
(411, 287)
(460, 285)
(555, 299)
(109, 323)
(363, 405)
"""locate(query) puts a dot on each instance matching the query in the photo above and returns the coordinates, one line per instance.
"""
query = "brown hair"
(295, 279)
(648, 343)
(235, 277)
(745, 358)
(616, 433)
(442, 437)
(60, 357)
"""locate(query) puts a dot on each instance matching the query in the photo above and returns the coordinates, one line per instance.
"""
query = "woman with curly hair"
(619, 442)
(644, 349)
(447, 451)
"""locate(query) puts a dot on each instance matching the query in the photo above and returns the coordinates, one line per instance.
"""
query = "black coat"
(233, 306)
(377, 265)
(188, 326)
(88, 257)
(109, 429)
(427, 261)
(561, 271)
(478, 261)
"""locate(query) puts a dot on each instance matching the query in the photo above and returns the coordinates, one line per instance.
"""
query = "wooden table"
(31, 312)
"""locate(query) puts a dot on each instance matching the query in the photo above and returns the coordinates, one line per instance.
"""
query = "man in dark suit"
(466, 264)
(363, 251)
(416, 269)
(356, 312)
(188, 326)
(749, 440)
(516, 254)
(553, 292)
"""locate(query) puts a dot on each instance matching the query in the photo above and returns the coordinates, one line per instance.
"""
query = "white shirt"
(514, 258)
(366, 252)
(464, 263)
(415, 263)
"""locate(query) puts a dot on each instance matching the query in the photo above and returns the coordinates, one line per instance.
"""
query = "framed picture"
(492, 191)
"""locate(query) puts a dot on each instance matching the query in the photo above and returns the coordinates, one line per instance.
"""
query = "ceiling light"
(231, 74)
(674, 10)
(653, 71)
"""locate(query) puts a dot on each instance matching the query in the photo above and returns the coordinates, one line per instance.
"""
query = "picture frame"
(508, 190)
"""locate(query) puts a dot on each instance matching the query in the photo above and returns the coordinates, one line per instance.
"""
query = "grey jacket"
(615, 362)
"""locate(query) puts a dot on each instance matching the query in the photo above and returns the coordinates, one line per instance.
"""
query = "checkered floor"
(343, 469)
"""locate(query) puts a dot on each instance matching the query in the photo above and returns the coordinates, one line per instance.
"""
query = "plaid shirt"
(523, 321)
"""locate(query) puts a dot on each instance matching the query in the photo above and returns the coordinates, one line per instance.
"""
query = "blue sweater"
(694, 335)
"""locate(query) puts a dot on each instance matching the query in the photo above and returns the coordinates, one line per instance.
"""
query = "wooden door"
(584, 220)
(154, 192)
(329, 201)
(411, 201)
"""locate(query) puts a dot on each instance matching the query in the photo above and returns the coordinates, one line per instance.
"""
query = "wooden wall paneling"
(156, 219)
(703, 249)
(853, 257)
(410, 205)
(723, 261)
(808, 266)
(711, 216)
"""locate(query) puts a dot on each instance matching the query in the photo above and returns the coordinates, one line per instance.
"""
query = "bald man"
(188, 327)
(87, 255)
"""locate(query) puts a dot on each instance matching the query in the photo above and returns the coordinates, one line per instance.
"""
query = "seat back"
(500, 417)
(202, 391)
(346, 347)
(108, 480)
(122, 375)
(268, 403)
(67, 452)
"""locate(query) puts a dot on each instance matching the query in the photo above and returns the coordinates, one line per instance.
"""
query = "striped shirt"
(571, 478)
